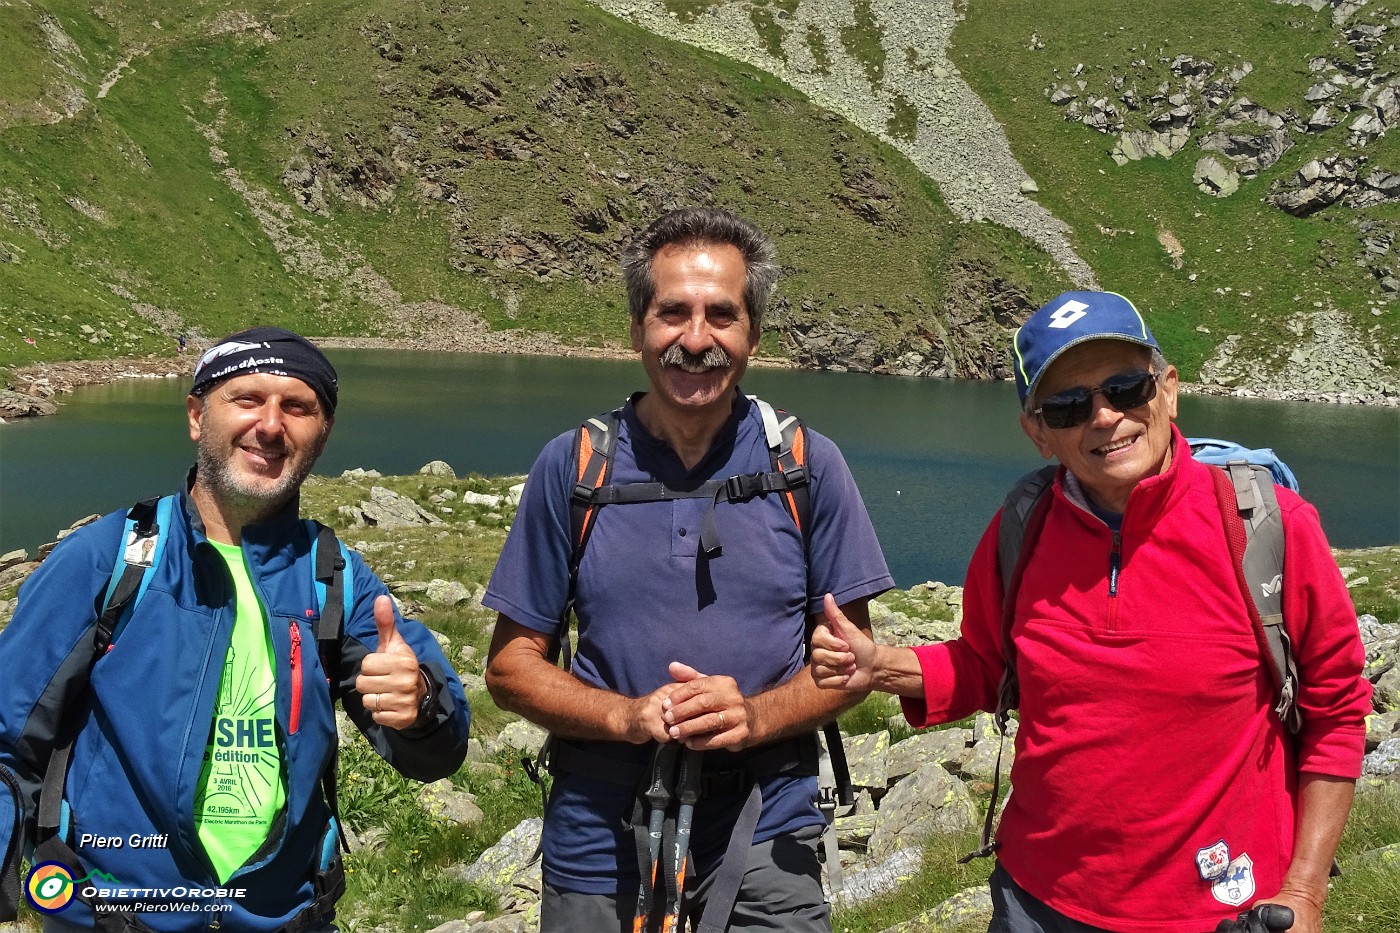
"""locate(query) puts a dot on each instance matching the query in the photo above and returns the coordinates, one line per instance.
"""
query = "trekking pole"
(687, 793)
(658, 797)
(1266, 918)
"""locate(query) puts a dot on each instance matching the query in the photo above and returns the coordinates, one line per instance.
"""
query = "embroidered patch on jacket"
(1212, 861)
(1237, 887)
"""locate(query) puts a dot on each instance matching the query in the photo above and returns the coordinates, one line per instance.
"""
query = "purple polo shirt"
(647, 596)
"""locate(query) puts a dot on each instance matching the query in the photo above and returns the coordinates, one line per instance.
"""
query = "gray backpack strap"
(1022, 515)
(1016, 512)
(1262, 563)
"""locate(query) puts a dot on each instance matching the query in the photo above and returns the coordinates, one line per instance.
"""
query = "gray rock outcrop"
(387, 509)
(929, 801)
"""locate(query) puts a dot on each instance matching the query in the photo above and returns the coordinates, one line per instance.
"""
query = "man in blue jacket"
(200, 783)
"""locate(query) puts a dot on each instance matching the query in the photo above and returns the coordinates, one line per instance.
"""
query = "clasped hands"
(702, 712)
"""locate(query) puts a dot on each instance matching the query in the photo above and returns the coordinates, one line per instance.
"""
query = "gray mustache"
(713, 358)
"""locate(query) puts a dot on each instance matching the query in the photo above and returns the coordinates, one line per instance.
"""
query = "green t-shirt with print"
(240, 789)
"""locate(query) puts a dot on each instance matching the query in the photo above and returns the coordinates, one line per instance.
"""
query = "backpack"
(1244, 489)
(594, 444)
(143, 544)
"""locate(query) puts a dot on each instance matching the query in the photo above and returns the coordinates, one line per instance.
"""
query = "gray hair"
(1157, 362)
(696, 226)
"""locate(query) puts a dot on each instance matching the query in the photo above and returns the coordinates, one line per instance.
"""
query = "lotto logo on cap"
(1069, 319)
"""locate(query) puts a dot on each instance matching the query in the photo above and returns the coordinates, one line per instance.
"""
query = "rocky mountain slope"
(465, 177)
(899, 77)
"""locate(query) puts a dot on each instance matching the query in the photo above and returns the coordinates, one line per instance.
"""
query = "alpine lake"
(933, 458)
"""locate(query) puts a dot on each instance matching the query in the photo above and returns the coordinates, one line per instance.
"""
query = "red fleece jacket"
(1146, 734)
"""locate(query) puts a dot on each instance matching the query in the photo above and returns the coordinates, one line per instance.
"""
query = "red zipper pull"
(294, 720)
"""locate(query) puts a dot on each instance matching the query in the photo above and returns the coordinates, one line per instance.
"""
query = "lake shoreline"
(41, 382)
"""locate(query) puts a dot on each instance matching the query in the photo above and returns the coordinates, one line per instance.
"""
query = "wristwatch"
(427, 705)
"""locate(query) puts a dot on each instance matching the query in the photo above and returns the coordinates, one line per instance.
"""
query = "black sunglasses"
(1123, 392)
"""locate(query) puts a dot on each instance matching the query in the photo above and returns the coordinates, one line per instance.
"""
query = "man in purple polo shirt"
(677, 644)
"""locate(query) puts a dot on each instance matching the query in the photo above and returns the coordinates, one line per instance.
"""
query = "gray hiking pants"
(781, 891)
(1016, 911)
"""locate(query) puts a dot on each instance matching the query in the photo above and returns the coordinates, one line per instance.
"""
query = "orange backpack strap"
(787, 452)
(594, 443)
(593, 451)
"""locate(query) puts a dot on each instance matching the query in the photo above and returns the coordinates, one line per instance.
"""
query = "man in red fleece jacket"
(1155, 788)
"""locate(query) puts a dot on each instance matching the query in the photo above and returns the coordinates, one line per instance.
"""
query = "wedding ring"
(376, 701)
(721, 719)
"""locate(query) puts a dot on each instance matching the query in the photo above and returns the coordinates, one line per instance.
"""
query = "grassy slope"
(408, 115)
(1254, 265)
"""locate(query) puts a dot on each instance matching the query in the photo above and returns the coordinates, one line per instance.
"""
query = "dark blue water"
(932, 457)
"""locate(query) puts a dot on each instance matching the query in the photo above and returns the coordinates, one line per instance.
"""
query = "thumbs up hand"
(843, 656)
(389, 684)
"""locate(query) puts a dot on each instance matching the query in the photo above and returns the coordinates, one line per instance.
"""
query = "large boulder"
(437, 468)
(929, 801)
(17, 405)
(509, 869)
(387, 509)
(937, 747)
(445, 802)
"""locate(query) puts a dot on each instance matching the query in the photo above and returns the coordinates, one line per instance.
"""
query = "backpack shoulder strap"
(1254, 531)
(594, 444)
(330, 563)
(1017, 510)
(787, 454)
(139, 552)
(1023, 513)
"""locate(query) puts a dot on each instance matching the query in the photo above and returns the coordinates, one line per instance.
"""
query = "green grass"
(1367, 895)
(405, 880)
(122, 220)
(821, 55)
(904, 121)
(863, 40)
(769, 30)
(939, 878)
(512, 125)
(1373, 576)
(1253, 265)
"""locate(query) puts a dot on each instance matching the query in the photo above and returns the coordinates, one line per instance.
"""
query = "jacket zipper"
(1115, 565)
(294, 720)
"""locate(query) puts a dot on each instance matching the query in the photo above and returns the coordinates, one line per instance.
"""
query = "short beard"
(681, 358)
(253, 503)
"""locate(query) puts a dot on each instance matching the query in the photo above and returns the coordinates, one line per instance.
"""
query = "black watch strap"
(428, 704)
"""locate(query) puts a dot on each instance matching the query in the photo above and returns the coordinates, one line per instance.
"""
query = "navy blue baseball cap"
(1070, 319)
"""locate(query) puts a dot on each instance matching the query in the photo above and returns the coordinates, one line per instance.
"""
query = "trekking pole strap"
(988, 845)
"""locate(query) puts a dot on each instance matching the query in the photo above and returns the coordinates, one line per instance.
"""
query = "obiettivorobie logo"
(51, 887)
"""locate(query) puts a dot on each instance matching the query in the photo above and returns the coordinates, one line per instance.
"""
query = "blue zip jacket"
(147, 719)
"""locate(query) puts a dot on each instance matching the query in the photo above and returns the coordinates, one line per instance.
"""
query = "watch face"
(429, 694)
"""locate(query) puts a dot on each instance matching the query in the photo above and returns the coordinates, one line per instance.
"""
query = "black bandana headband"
(267, 350)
